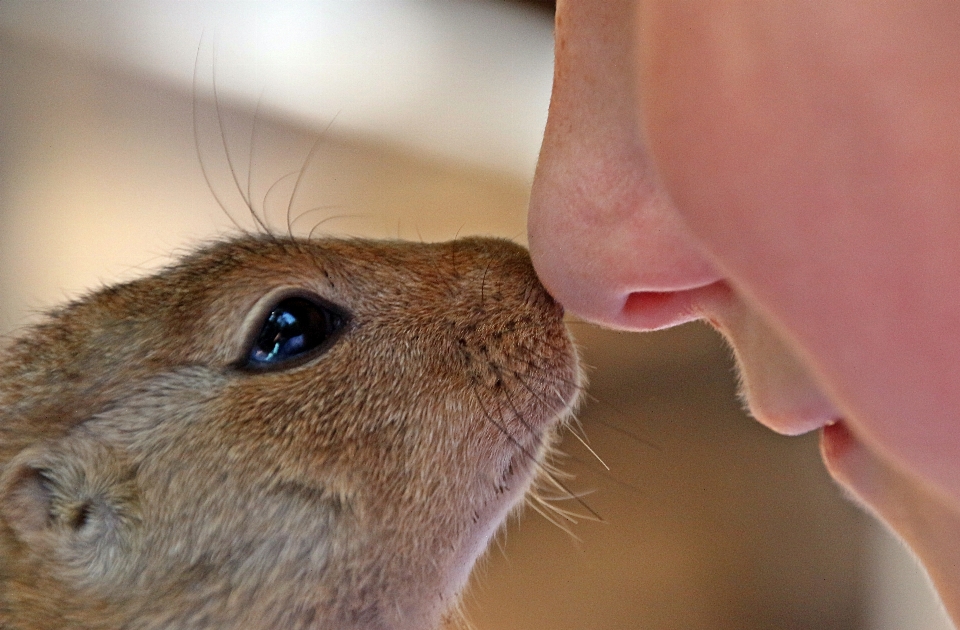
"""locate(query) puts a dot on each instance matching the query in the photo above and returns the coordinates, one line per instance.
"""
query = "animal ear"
(75, 490)
(26, 500)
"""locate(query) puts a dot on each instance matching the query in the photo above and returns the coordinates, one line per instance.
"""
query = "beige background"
(710, 521)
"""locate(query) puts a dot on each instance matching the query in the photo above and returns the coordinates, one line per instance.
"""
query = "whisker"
(569, 515)
(587, 446)
(483, 281)
(273, 186)
(308, 211)
(196, 142)
(324, 207)
(608, 476)
(444, 277)
(564, 497)
(566, 515)
(519, 378)
(334, 217)
(550, 475)
(542, 512)
(609, 425)
(250, 160)
(453, 254)
(513, 407)
(303, 169)
(226, 148)
(590, 466)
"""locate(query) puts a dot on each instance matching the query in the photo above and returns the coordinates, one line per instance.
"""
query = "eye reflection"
(294, 327)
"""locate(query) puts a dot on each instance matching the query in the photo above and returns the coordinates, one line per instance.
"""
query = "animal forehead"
(333, 252)
(223, 278)
(352, 265)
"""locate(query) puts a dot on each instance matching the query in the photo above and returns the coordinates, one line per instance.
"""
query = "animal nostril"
(82, 516)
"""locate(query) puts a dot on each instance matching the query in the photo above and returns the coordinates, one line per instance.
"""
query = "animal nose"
(500, 268)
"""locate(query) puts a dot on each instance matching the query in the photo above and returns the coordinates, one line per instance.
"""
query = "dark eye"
(293, 330)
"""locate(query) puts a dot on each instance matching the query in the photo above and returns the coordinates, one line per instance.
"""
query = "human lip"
(787, 417)
(776, 383)
(853, 465)
(836, 441)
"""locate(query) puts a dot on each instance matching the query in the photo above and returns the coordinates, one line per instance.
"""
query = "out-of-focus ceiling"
(463, 80)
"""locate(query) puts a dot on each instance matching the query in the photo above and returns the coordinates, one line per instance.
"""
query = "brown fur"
(149, 483)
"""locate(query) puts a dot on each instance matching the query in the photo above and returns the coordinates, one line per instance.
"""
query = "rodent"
(276, 433)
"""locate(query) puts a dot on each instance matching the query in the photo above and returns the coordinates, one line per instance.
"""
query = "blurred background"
(421, 119)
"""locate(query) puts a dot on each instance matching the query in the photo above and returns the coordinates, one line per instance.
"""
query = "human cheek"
(603, 235)
(813, 150)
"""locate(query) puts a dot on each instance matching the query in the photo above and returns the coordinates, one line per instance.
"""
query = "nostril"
(653, 310)
(647, 300)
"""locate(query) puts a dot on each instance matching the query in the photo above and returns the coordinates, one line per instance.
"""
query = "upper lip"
(797, 421)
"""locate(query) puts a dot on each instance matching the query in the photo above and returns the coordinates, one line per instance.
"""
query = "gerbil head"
(276, 434)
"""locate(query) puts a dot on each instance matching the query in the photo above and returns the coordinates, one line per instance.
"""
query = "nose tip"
(636, 268)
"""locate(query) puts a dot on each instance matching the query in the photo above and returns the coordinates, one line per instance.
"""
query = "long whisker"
(526, 452)
(613, 427)
(196, 142)
(569, 515)
(334, 217)
(539, 509)
(303, 169)
(519, 416)
(250, 161)
(588, 447)
(226, 150)
(513, 407)
(273, 186)
(608, 476)
(321, 208)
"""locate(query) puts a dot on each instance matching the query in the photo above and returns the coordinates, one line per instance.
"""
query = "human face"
(789, 172)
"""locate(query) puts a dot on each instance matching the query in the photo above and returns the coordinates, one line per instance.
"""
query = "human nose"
(608, 246)
(604, 237)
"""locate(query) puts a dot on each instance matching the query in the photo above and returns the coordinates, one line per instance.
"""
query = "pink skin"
(790, 172)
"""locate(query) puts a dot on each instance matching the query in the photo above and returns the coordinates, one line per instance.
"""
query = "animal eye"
(294, 329)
